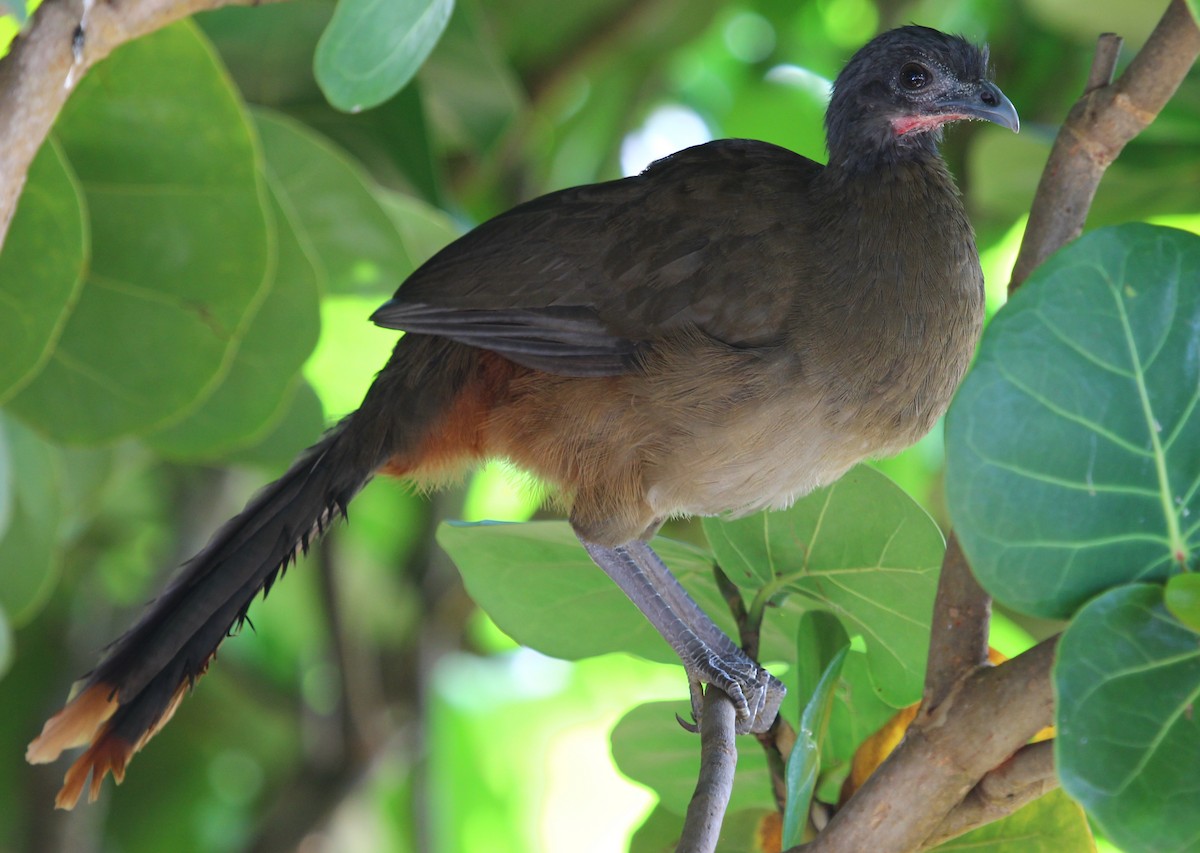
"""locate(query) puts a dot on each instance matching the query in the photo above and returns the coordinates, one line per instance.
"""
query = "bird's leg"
(708, 655)
(668, 585)
(683, 604)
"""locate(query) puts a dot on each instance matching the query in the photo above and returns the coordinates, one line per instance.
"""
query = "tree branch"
(47, 62)
(946, 752)
(718, 760)
(1029, 774)
(958, 644)
(1098, 128)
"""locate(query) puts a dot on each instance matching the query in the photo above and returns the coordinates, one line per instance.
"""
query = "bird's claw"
(755, 693)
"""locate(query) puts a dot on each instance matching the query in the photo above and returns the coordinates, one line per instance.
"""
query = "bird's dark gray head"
(893, 97)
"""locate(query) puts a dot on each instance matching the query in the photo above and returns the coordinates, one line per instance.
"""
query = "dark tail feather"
(137, 687)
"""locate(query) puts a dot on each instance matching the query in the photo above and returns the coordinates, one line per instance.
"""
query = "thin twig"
(1098, 128)
(47, 62)
(958, 643)
(778, 740)
(718, 760)
(747, 636)
(359, 706)
(1104, 63)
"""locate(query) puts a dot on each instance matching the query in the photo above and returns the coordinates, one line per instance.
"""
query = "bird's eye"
(914, 76)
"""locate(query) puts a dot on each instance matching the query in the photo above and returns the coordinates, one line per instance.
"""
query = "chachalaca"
(724, 332)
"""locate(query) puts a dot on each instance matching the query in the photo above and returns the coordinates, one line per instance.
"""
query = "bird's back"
(778, 322)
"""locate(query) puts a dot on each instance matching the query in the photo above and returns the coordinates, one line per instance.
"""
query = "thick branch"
(981, 723)
(718, 760)
(1029, 774)
(48, 61)
(958, 644)
(1098, 128)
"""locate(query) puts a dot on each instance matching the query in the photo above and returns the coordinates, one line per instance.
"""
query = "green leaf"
(1050, 824)
(1194, 5)
(29, 549)
(1071, 459)
(541, 588)
(857, 713)
(268, 48)
(819, 639)
(745, 831)
(861, 549)
(649, 747)
(41, 268)
(167, 162)
(6, 482)
(258, 388)
(1182, 599)
(804, 763)
(372, 48)
(269, 51)
(471, 91)
(6, 643)
(299, 426)
(1127, 679)
(424, 229)
(330, 201)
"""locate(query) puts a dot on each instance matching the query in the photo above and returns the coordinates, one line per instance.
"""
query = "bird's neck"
(867, 148)
(909, 291)
(905, 219)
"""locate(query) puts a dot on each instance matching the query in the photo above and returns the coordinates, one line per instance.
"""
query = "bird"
(721, 333)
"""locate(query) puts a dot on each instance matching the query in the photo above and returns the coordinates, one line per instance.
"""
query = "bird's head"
(893, 97)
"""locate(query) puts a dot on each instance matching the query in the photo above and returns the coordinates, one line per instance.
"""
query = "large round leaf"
(29, 549)
(299, 426)
(168, 165)
(41, 268)
(331, 203)
(1073, 463)
(255, 393)
(539, 585)
(6, 482)
(862, 549)
(649, 748)
(1128, 745)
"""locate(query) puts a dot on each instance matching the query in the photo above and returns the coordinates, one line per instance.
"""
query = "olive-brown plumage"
(724, 332)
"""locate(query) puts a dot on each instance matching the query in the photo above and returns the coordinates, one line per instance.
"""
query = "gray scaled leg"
(708, 655)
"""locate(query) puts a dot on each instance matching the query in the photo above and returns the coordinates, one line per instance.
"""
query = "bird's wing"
(578, 281)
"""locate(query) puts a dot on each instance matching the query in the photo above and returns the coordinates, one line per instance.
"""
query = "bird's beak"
(986, 103)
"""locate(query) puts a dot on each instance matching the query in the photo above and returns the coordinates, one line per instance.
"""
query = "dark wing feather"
(578, 281)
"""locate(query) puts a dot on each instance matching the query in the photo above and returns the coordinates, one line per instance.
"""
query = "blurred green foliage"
(203, 162)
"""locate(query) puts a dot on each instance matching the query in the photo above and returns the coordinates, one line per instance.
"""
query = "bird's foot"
(755, 693)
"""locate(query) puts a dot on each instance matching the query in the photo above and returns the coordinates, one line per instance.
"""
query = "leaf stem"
(758, 607)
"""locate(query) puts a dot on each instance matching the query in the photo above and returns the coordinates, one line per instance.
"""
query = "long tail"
(137, 687)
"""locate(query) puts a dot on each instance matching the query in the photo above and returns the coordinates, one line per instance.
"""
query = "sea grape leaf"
(1072, 460)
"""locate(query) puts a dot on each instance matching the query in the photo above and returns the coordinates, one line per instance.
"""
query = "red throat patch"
(910, 124)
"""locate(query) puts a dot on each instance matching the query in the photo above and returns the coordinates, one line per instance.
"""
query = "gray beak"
(987, 103)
